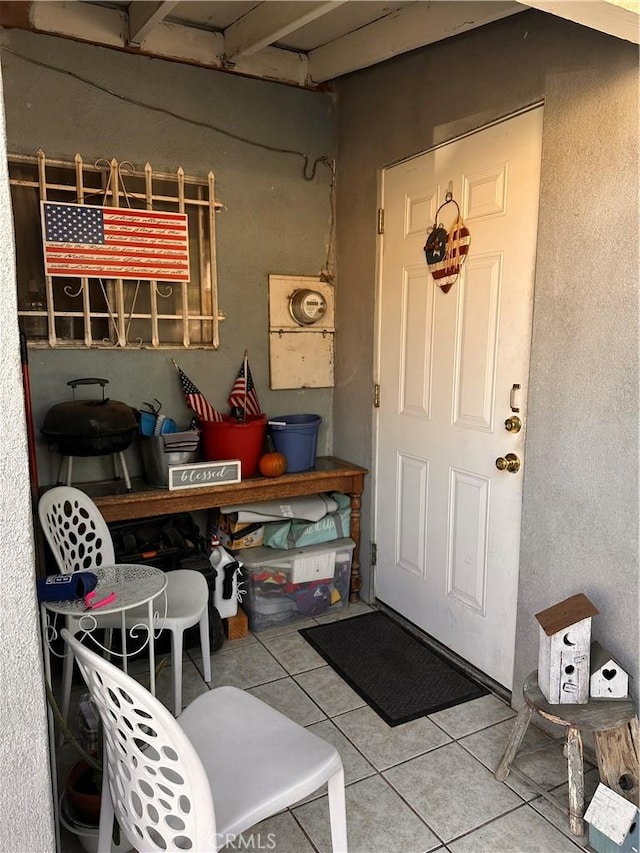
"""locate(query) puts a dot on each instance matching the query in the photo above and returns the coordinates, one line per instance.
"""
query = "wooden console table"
(330, 475)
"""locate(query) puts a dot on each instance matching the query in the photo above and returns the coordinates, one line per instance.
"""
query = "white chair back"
(75, 530)
(158, 786)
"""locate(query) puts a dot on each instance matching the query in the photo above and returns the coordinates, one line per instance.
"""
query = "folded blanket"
(308, 508)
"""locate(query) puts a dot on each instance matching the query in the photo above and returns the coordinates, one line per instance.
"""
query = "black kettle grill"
(97, 427)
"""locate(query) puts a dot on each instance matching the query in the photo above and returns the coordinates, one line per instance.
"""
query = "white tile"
(472, 716)
(355, 765)
(547, 767)
(192, 683)
(286, 628)
(328, 690)
(377, 821)
(286, 696)
(559, 816)
(522, 830)
(247, 640)
(451, 791)
(278, 834)
(384, 745)
(344, 612)
(294, 653)
(244, 667)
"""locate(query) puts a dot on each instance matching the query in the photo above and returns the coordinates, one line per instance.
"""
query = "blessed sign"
(204, 474)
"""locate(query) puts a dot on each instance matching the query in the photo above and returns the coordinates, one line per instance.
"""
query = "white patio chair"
(196, 782)
(80, 540)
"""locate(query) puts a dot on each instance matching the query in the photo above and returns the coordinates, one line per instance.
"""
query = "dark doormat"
(393, 671)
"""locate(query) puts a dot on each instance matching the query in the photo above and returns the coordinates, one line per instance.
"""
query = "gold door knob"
(509, 463)
(513, 424)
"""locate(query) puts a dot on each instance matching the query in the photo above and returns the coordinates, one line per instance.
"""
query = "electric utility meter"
(307, 306)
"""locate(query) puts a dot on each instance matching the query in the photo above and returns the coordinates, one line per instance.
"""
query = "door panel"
(447, 521)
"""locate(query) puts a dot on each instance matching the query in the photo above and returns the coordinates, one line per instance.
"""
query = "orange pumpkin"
(272, 463)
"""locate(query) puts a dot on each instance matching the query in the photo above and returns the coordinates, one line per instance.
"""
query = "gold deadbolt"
(509, 463)
(513, 424)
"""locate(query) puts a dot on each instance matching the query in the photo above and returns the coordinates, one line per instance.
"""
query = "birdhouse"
(608, 679)
(614, 825)
(563, 651)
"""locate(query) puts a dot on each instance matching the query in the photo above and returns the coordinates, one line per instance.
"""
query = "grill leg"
(67, 480)
(69, 470)
(125, 471)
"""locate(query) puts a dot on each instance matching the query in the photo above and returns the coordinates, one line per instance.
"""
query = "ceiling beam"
(144, 16)
(270, 22)
(407, 28)
(96, 24)
(614, 18)
(101, 25)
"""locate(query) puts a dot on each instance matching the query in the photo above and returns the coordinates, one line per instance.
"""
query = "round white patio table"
(134, 585)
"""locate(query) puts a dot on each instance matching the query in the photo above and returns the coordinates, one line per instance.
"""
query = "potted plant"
(80, 803)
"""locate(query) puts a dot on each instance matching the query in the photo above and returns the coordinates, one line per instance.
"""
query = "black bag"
(170, 542)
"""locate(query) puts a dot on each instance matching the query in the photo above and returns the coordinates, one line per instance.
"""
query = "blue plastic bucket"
(296, 437)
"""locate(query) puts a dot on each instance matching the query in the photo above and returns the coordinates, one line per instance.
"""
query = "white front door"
(452, 368)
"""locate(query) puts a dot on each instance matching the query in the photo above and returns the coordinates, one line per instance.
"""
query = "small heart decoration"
(609, 673)
(446, 251)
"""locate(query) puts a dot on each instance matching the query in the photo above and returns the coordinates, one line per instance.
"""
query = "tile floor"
(423, 786)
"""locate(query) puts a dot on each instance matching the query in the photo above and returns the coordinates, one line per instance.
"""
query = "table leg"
(123, 632)
(576, 780)
(45, 643)
(514, 743)
(354, 531)
(152, 652)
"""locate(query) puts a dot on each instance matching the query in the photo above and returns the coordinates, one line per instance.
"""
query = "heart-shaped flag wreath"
(446, 251)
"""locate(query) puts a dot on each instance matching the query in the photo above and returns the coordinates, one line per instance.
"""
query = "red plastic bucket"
(228, 439)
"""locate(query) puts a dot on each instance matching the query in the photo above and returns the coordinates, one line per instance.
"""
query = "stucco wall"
(25, 801)
(274, 221)
(580, 512)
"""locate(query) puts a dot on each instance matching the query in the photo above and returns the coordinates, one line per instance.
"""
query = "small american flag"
(243, 394)
(196, 400)
(85, 241)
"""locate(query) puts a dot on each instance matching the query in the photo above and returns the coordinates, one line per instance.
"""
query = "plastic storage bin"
(285, 585)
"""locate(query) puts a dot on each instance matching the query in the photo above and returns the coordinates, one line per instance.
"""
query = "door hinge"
(374, 554)
(376, 396)
(381, 220)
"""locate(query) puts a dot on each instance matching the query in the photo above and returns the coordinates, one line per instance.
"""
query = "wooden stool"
(598, 715)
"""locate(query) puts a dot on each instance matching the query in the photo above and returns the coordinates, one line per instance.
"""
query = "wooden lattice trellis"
(96, 312)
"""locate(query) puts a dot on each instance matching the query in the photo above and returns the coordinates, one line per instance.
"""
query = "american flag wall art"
(86, 241)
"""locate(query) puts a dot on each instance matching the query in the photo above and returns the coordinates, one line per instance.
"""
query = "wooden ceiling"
(300, 42)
